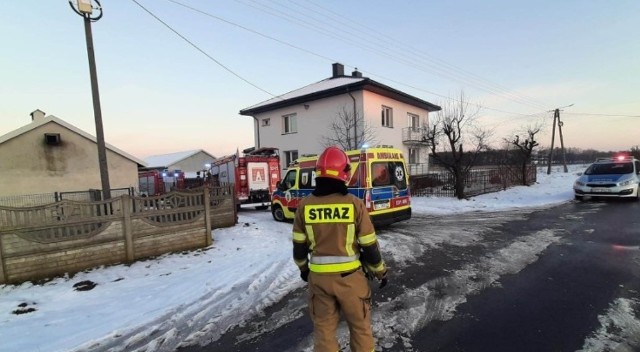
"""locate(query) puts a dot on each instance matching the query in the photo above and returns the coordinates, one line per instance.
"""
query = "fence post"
(3, 277)
(207, 215)
(126, 226)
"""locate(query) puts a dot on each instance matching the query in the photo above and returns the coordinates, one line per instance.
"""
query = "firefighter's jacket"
(332, 233)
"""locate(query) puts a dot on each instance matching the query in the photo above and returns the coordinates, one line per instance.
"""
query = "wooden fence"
(70, 236)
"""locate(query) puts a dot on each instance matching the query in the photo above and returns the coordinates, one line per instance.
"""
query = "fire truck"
(255, 175)
(158, 182)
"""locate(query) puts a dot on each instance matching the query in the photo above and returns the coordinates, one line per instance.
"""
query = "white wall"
(313, 123)
(391, 136)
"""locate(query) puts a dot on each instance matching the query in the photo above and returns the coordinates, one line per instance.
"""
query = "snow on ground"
(205, 292)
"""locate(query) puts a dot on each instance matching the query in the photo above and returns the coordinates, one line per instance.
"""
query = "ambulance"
(378, 176)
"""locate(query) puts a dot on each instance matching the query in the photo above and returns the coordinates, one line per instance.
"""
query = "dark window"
(289, 179)
(387, 116)
(355, 177)
(52, 138)
(389, 173)
(289, 124)
(289, 157)
(610, 169)
(307, 178)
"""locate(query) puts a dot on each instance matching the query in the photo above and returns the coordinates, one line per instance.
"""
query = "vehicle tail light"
(367, 200)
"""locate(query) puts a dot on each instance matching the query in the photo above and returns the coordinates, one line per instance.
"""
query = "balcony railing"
(418, 169)
(415, 135)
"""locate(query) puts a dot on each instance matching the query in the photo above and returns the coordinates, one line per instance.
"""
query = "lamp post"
(92, 13)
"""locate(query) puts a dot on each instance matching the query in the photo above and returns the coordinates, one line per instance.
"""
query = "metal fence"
(29, 200)
(478, 181)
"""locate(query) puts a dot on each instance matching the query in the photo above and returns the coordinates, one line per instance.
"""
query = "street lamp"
(91, 11)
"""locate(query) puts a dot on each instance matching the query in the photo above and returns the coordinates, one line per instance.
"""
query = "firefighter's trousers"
(331, 294)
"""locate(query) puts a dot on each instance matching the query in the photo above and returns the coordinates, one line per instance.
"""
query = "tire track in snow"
(206, 319)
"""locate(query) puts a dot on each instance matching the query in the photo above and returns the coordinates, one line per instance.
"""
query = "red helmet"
(333, 163)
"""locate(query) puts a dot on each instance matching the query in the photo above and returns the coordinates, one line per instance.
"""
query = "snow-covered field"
(192, 297)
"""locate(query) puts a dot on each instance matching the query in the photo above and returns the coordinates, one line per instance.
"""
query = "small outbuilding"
(51, 155)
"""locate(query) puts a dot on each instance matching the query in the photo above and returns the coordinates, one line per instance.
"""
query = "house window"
(414, 121)
(387, 116)
(414, 156)
(266, 122)
(52, 138)
(289, 124)
(289, 157)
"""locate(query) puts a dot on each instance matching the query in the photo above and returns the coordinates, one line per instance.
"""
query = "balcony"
(415, 136)
(418, 169)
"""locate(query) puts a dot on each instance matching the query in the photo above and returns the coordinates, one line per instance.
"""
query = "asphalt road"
(552, 303)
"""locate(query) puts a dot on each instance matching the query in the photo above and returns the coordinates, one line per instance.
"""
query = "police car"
(615, 177)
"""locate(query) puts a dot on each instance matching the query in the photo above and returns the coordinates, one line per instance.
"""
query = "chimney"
(37, 115)
(356, 73)
(338, 70)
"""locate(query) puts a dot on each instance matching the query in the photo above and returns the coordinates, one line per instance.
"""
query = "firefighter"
(333, 238)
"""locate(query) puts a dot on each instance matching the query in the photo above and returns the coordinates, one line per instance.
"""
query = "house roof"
(335, 86)
(43, 121)
(164, 160)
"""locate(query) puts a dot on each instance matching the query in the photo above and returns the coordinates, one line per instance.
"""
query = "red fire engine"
(158, 182)
(255, 175)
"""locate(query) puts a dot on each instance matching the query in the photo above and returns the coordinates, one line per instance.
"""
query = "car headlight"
(581, 184)
(626, 183)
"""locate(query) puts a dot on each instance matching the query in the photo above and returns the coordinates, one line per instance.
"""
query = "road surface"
(565, 278)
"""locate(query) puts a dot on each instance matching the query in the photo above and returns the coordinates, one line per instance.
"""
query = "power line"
(325, 57)
(593, 114)
(349, 22)
(252, 31)
(317, 55)
(442, 96)
(200, 50)
(409, 60)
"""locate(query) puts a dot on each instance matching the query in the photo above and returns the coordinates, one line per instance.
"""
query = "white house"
(300, 122)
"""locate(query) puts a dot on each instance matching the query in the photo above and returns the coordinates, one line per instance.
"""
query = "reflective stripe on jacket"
(334, 230)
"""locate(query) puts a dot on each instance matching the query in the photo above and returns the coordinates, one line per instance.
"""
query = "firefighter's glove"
(382, 277)
(304, 275)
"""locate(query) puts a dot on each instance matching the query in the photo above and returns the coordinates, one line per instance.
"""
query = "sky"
(193, 297)
(160, 94)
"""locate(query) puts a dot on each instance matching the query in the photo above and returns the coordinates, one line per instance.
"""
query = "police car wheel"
(277, 212)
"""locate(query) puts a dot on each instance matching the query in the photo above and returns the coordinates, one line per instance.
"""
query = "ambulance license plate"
(381, 205)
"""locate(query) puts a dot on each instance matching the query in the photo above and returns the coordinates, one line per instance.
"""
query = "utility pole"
(85, 8)
(564, 156)
(556, 120)
(553, 137)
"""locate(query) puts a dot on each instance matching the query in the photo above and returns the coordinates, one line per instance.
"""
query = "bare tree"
(635, 151)
(525, 150)
(455, 141)
(349, 131)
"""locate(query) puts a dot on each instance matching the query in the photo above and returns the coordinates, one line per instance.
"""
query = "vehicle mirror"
(279, 185)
